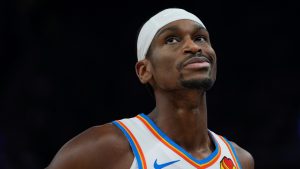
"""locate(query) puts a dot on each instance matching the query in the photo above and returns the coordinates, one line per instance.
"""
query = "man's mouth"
(200, 62)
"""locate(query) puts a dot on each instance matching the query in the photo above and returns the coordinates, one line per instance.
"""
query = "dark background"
(68, 65)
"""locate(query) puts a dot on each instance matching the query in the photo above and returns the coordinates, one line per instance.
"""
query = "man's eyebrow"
(176, 28)
(172, 29)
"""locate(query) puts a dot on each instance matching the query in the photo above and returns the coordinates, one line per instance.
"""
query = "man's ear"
(143, 70)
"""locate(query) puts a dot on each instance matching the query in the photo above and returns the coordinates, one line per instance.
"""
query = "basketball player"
(176, 59)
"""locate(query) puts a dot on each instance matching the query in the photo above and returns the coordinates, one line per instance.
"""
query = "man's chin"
(201, 84)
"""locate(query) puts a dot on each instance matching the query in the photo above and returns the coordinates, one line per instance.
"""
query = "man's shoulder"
(97, 147)
(244, 156)
(107, 135)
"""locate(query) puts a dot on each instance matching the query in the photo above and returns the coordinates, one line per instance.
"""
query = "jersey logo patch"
(226, 163)
(163, 165)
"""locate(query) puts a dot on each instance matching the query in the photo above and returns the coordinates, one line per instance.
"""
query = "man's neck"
(182, 115)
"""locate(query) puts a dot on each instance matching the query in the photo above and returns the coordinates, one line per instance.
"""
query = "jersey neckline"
(160, 135)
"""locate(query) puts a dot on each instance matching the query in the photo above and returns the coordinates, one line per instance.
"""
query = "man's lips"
(197, 62)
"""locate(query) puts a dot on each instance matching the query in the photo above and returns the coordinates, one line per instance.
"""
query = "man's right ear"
(143, 70)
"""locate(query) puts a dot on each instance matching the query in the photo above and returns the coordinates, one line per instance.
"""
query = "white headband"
(158, 21)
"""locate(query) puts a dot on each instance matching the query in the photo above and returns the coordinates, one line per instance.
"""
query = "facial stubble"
(204, 83)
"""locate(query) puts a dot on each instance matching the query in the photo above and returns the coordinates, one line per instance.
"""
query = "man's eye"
(200, 39)
(172, 40)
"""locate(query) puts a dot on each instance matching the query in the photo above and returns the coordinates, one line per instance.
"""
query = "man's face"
(181, 56)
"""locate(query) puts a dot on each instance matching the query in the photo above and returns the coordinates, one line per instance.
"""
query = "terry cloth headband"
(158, 21)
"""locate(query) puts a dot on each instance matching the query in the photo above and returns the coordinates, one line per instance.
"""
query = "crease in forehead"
(173, 27)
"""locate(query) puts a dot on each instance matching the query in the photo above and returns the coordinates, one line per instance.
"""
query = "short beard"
(204, 84)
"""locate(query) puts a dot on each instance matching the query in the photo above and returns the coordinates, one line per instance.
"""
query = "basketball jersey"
(155, 150)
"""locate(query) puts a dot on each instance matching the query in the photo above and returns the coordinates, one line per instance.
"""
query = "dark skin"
(180, 111)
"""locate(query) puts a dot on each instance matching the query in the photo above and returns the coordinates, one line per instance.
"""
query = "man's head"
(174, 52)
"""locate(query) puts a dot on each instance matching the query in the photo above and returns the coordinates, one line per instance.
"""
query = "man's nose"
(191, 47)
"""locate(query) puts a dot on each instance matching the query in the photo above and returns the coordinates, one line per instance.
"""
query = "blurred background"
(69, 65)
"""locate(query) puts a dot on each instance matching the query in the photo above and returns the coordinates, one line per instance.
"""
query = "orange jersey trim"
(231, 152)
(139, 149)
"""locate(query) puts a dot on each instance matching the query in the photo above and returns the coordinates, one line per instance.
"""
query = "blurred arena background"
(69, 65)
